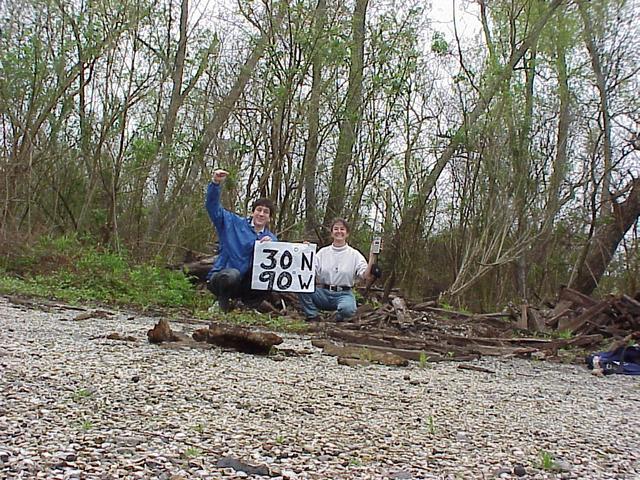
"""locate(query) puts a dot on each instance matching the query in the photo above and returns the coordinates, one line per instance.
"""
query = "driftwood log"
(360, 355)
(197, 268)
(239, 338)
(162, 332)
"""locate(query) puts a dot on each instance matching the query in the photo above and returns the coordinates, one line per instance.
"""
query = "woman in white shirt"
(337, 267)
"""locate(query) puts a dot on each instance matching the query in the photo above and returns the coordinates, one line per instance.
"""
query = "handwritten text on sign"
(283, 266)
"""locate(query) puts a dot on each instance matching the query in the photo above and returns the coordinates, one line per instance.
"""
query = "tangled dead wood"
(425, 331)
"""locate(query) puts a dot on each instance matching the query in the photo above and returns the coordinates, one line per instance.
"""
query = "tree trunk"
(606, 239)
(351, 116)
(564, 120)
(311, 148)
(605, 117)
(168, 127)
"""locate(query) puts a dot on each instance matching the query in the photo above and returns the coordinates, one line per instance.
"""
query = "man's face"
(261, 216)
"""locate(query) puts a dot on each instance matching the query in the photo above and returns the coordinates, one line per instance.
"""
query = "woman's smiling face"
(339, 233)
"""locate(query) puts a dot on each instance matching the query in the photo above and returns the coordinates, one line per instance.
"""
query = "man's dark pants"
(229, 283)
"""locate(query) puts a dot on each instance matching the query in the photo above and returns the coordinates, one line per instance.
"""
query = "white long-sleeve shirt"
(339, 265)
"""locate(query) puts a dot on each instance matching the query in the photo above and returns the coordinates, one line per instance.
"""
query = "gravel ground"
(76, 405)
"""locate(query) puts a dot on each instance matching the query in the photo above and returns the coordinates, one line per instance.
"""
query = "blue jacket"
(236, 236)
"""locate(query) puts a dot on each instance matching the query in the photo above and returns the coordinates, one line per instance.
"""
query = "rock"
(519, 470)
(129, 442)
(367, 423)
(352, 362)
(123, 338)
(400, 475)
(502, 471)
(240, 466)
(562, 466)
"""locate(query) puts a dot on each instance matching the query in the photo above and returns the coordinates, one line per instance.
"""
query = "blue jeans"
(322, 299)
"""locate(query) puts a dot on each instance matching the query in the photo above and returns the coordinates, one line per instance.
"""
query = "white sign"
(283, 266)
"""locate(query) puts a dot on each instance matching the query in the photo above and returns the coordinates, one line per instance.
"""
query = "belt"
(335, 288)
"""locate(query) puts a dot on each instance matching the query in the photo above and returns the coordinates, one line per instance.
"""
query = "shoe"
(315, 319)
(225, 304)
(334, 317)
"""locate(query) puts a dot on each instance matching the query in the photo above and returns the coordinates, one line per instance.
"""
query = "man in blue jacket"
(230, 276)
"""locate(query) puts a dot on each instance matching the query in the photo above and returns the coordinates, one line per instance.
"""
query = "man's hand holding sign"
(284, 267)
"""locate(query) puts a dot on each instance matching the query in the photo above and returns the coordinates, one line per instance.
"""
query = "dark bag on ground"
(624, 360)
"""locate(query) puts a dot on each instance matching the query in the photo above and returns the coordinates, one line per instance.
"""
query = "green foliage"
(564, 334)
(66, 268)
(81, 394)
(198, 427)
(272, 322)
(192, 452)
(439, 45)
(431, 425)
(143, 151)
(423, 360)
(451, 308)
(86, 425)
(546, 461)
(365, 355)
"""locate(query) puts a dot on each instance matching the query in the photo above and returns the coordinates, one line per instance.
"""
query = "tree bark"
(351, 116)
(605, 117)
(311, 148)
(606, 239)
(168, 127)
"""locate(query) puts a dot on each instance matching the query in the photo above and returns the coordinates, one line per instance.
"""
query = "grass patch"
(266, 320)
(563, 334)
(450, 308)
(423, 361)
(192, 452)
(431, 425)
(67, 269)
(86, 425)
(546, 461)
(81, 394)
(199, 427)
(365, 355)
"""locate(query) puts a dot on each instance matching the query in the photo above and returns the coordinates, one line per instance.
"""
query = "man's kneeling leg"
(224, 284)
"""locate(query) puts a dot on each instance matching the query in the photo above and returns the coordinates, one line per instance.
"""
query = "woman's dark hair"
(264, 202)
(343, 222)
